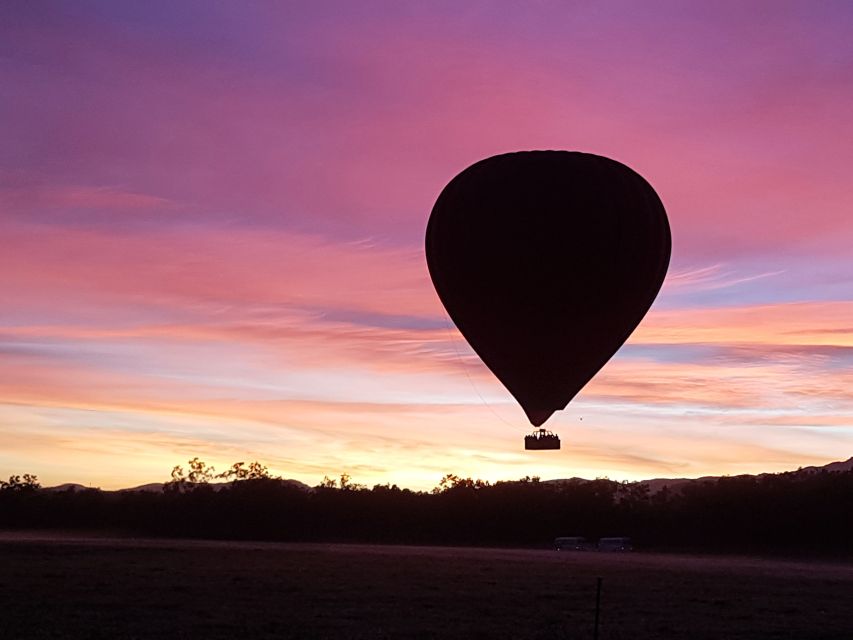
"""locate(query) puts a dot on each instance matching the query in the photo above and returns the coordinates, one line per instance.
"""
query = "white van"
(615, 544)
(572, 543)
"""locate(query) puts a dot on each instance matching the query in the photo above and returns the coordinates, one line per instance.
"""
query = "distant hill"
(847, 465)
(157, 487)
(68, 486)
(151, 487)
(656, 484)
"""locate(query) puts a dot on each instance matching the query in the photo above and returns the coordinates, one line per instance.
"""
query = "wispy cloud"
(40, 198)
(712, 277)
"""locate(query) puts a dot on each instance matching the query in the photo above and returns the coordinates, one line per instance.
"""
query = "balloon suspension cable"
(452, 333)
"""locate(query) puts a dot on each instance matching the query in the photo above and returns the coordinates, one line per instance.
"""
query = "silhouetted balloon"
(547, 261)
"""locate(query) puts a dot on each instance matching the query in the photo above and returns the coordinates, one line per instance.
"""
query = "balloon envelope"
(546, 261)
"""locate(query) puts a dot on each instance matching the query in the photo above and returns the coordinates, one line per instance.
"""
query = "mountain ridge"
(655, 484)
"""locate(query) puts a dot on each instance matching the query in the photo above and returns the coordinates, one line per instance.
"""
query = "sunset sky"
(212, 219)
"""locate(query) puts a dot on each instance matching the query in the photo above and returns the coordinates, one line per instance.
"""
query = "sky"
(212, 218)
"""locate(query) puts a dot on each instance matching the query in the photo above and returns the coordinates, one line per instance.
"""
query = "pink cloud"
(31, 198)
(801, 323)
(253, 272)
(781, 366)
(711, 277)
(369, 141)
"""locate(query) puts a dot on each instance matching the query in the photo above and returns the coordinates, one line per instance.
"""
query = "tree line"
(797, 512)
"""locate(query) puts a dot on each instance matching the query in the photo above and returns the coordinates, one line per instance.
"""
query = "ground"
(77, 587)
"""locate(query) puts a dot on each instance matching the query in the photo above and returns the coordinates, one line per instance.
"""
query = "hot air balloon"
(546, 261)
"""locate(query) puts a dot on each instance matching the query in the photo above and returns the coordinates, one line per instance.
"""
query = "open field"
(75, 587)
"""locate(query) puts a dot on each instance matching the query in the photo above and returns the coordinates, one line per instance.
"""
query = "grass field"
(53, 587)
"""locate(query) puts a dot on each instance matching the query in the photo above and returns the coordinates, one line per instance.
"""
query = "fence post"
(597, 607)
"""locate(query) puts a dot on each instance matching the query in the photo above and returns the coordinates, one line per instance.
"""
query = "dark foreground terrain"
(75, 587)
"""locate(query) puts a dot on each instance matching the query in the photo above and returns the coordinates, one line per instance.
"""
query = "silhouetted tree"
(328, 483)
(239, 471)
(742, 513)
(199, 474)
(347, 484)
(452, 481)
(27, 482)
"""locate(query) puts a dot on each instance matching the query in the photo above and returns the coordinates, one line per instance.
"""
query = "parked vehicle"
(572, 543)
(615, 544)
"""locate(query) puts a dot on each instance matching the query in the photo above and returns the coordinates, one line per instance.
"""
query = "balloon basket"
(541, 440)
